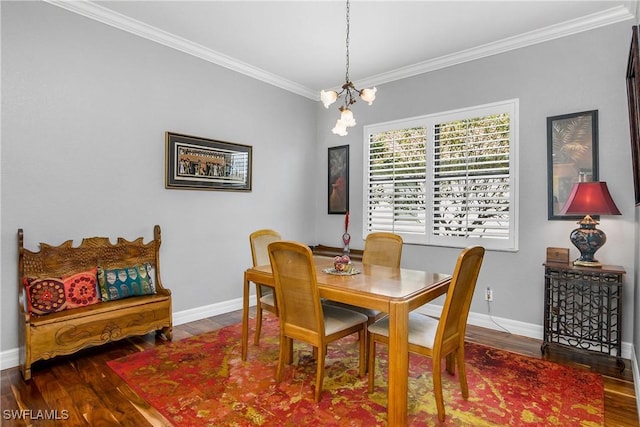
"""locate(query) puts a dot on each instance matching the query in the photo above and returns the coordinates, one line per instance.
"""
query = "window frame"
(429, 122)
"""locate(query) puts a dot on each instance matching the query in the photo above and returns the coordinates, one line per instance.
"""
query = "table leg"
(398, 364)
(245, 317)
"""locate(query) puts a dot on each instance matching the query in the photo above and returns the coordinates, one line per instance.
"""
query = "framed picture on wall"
(572, 156)
(633, 95)
(338, 173)
(198, 163)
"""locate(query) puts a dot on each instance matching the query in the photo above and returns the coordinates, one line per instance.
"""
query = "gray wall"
(577, 73)
(85, 108)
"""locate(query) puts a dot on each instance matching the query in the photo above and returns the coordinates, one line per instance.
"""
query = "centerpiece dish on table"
(342, 266)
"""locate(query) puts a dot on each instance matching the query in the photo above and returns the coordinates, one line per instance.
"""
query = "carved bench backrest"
(66, 259)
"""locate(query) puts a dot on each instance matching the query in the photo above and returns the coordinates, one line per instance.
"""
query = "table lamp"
(589, 198)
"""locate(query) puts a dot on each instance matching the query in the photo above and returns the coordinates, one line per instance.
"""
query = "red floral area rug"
(202, 381)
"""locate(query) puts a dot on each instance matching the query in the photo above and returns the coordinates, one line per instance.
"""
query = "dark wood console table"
(322, 250)
(583, 309)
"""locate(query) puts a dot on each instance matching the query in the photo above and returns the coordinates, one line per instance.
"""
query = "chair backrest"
(297, 292)
(383, 248)
(453, 320)
(259, 241)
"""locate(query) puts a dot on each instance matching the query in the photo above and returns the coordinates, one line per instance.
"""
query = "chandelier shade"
(349, 92)
(368, 95)
(328, 98)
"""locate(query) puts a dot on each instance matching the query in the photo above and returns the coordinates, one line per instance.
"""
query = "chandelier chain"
(347, 43)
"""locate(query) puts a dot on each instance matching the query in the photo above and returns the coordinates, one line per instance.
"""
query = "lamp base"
(588, 239)
(594, 263)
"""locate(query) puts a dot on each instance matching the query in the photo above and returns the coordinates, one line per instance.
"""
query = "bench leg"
(26, 372)
(167, 332)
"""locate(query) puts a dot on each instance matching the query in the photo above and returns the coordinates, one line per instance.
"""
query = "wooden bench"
(52, 334)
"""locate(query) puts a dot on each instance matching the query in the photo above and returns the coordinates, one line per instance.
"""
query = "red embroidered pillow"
(52, 294)
(82, 289)
(45, 296)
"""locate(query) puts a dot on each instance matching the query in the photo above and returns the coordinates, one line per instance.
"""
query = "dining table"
(395, 291)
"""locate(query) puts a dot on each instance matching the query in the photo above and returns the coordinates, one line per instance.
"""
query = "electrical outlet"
(488, 294)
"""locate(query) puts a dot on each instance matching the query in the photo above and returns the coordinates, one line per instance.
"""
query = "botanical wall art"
(572, 156)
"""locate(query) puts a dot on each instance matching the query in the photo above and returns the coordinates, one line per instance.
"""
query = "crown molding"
(632, 6)
(586, 23)
(138, 28)
(106, 16)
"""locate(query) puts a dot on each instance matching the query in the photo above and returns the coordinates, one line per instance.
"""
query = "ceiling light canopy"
(349, 92)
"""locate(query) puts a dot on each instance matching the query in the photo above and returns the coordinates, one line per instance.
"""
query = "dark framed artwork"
(338, 194)
(633, 96)
(206, 164)
(572, 156)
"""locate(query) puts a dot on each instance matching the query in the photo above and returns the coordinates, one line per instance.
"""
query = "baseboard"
(210, 310)
(10, 358)
(491, 322)
(512, 326)
(636, 378)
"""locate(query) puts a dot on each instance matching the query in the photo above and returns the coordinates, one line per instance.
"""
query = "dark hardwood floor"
(85, 392)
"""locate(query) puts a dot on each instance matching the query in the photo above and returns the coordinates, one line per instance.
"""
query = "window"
(445, 179)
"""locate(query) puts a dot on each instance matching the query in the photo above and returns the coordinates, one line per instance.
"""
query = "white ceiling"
(300, 45)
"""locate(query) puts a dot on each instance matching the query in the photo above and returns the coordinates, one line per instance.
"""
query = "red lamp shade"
(590, 198)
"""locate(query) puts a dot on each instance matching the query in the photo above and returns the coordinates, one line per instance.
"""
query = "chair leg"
(289, 350)
(462, 373)
(322, 351)
(285, 344)
(371, 320)
(363, 353)
(256, 339)
(451, 363)
(437, 386)
(371, 361)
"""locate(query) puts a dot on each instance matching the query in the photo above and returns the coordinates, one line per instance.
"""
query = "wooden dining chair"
(439, 338)
(302, 316)
(382, 248)
(265, 295)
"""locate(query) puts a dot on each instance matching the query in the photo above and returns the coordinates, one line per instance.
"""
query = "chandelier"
(349, 91)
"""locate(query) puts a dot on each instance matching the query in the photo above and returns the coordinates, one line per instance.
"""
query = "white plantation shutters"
(397, 172)
(445, 179)
(471, 178)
